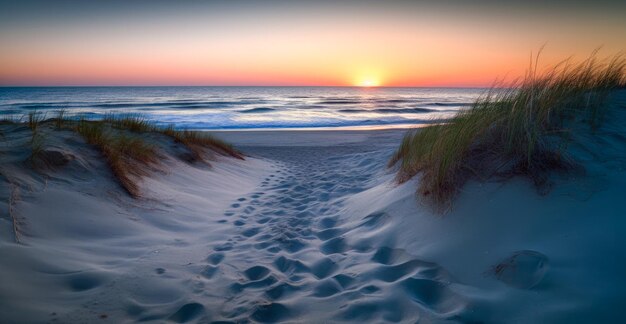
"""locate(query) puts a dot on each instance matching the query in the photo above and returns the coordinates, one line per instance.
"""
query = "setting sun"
(368, 82)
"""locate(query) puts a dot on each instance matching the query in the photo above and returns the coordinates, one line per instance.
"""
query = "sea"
(246, 108)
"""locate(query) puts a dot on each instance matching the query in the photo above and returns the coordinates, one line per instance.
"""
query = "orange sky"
(292, 46)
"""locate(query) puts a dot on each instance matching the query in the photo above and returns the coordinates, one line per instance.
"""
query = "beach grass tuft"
(130, 144)
(34, 118)
(520, 129)
(119, 139)
(127, 156)
(60, 119)
(196, 142)
(131, 122)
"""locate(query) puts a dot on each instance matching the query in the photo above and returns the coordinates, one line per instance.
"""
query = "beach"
(311, 227)
(240, 162)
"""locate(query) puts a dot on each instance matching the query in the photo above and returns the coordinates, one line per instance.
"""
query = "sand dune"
(312, 228)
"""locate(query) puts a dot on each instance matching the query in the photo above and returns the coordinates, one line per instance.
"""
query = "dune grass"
(118, 138)
(126, 141)
(127, 156)
(131, 122)
(522, 129)
(34, 118)
(196, 142)
(60, 120)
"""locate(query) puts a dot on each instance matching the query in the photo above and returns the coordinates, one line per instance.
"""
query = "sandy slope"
(312, 228)
(561, 256)
(86, 245)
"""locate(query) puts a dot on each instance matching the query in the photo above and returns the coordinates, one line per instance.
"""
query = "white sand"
(312, 228)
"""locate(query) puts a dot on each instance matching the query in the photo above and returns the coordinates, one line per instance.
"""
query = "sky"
(296, 43)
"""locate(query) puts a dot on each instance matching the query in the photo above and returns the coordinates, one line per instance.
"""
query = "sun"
(368, 82)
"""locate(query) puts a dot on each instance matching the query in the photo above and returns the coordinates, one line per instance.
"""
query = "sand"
(312, 227)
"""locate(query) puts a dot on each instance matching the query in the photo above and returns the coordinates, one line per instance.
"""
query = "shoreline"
(407, 126)
(312, 138)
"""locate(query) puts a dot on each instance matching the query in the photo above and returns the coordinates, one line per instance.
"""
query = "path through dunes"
(292, 258)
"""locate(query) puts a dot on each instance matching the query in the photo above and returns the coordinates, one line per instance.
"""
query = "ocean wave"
(404, 110)
(347, 101)
(396, 100)
(448, 104)
(390, 110)
(339, 102)
(190, 104)
(310, 124)
(241, 108)
(257, 110)
(42, 106)
(9, 112)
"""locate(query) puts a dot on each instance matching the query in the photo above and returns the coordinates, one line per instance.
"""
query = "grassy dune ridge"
(128, 143)
(127, 156)
(521, 129)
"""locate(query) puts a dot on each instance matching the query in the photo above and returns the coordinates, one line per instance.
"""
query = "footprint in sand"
(215, 258)
(187, 313)
(524, 269)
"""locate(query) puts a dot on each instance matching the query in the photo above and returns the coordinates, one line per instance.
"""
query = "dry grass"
(131, 122)
(197, 142)
(127, 156)
(518, 130)
(60, 120)
(34, 118)
(121, 140)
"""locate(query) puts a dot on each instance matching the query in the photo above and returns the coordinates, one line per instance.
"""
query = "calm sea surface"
(247, 107)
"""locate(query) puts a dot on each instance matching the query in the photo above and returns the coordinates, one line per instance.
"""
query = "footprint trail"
(291, 258)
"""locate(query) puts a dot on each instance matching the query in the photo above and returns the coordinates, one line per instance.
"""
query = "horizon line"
(234, 86)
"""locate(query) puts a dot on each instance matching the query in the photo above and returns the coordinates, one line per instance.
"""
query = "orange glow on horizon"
(341, 47)
(368, 82)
